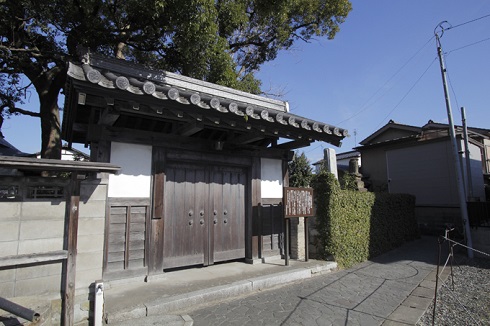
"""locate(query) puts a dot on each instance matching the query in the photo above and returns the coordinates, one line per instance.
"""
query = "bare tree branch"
(24, 112)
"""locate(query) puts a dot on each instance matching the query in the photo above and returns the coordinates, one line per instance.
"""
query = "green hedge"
(354, 226)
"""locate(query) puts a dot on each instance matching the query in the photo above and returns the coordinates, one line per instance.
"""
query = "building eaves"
(7, 149)
(431, 125)
(411, 138)
(345, 155)
(391, 124)
(96, 71)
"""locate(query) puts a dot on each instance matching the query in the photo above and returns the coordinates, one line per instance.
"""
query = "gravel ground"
(469, 302)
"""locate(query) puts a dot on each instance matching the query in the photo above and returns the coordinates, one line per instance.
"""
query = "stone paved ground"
(364, 295)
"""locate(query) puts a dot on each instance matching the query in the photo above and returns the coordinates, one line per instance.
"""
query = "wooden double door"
(204, 214)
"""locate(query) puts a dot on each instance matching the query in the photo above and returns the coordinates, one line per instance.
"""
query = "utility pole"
(457, 162)
(469, 183)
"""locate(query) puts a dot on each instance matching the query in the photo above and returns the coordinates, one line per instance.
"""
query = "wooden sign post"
(298, 202)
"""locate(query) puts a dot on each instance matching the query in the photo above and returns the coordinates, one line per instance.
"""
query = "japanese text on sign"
(298, 202)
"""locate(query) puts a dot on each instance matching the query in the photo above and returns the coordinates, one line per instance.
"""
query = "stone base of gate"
(155, 277)
(269, 259)
(297, 230)
(253, 261)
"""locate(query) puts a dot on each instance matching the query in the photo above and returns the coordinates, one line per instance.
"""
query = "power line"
(457, 49)
(465, 46)
(408, 92)
(452, 89)
(468, 22)
(365, 106)
(468, 45)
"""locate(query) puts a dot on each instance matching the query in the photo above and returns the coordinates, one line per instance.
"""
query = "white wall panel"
(134, 179)
(272, 183)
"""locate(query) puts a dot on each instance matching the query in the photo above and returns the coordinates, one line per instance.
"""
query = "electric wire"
(452, 88)
(447, 70)
(457, 49)
(467, 46)
(443, 29)
(467, 22)
(365, 106)
(406, 94)
(312, 149)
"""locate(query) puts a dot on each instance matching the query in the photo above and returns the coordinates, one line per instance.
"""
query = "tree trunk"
(50, 113)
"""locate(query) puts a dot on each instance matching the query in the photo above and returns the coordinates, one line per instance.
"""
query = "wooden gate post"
(71, 234)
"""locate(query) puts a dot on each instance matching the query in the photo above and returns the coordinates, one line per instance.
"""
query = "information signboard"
(298, 202)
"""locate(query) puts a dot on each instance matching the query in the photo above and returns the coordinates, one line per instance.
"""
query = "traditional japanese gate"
(200, 201)
(204, 214)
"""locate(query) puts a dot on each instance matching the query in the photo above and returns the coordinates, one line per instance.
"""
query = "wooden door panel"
(229, 232)
(204, 215)
(184, 208)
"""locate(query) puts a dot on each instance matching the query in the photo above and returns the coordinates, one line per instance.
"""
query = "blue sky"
(382, 65)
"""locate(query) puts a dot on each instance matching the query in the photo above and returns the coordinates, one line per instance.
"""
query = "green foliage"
(354, 226)
(220, 41)
(350, 227)
(348, 181)
(325, 187)
(300, 171)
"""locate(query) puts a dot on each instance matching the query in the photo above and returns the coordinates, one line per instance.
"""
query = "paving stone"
(406, 315)
(417, 302)
(423, 292)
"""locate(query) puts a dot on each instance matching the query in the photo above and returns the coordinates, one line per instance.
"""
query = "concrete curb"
(163, 306)
(167, 320)
(178, 302)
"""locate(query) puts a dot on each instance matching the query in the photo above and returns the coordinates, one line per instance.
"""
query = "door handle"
(215, 221)
(201, 221)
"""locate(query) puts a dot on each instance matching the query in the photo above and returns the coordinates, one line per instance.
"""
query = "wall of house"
(425, 171)
(374, 168)
(35, 225)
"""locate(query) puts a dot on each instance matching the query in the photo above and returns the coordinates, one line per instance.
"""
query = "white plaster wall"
(272, 183)
(134, 179)
(477, 181)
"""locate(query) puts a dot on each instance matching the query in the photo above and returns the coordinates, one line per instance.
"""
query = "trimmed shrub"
(354, 226)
